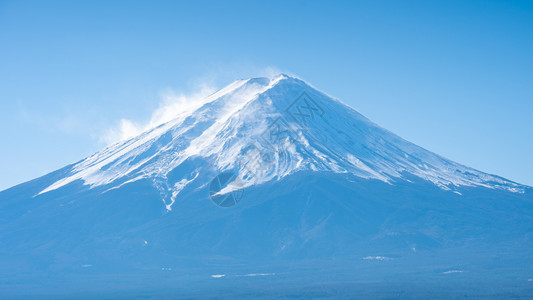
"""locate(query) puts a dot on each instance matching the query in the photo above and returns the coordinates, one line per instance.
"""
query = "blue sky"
(455, 77)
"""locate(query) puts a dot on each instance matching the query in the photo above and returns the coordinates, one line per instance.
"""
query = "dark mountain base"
(308, 236)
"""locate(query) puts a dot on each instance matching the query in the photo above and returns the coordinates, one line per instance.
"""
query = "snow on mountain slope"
(264, 129)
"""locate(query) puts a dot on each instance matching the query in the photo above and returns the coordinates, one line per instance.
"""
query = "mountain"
(272, 185)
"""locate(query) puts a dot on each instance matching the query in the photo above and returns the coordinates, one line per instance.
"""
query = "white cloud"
(172, 104)
(126, 129)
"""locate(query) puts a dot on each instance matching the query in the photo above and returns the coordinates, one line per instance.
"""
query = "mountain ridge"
(247, 110)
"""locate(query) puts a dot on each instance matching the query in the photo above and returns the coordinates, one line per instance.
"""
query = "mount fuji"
(267, 188)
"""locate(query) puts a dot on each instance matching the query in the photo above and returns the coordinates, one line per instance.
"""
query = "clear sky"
(455, 77)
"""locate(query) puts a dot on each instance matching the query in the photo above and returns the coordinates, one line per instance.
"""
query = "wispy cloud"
(172, 104)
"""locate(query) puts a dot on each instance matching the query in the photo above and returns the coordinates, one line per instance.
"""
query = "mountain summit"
(266, 176)
(265, 129)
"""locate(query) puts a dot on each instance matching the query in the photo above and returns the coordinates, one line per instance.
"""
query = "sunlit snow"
(240, 117)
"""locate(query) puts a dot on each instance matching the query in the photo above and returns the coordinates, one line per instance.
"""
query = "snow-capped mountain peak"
(264, 129)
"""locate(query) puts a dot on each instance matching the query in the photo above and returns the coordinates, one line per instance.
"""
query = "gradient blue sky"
(455, 77)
